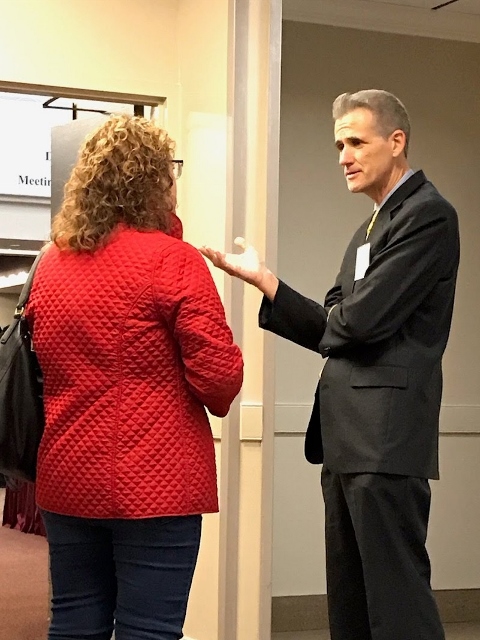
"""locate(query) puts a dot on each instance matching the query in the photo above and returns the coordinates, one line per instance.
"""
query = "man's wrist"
(268, 284)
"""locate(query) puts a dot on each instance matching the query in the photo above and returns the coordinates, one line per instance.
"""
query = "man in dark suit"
(383, 327)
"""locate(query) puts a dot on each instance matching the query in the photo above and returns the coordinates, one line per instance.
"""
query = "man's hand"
(246, 265)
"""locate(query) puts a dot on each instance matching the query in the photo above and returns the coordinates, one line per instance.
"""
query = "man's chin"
(355, 188)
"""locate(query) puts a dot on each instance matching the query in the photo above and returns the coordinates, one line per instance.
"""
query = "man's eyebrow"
(351, 139)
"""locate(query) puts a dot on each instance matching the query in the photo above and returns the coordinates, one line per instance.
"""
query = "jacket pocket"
(379, 376)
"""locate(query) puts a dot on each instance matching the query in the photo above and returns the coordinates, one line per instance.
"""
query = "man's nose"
(345, 157)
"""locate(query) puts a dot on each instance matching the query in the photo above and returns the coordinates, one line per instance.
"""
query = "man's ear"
(399, 142)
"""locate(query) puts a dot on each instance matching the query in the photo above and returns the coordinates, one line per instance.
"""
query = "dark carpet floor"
(24, 606)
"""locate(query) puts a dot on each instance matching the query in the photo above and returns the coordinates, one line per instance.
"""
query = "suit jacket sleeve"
(294, 317)
(335, 294)
(421, 247)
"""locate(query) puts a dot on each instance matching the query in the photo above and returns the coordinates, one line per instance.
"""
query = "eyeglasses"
(177, 168)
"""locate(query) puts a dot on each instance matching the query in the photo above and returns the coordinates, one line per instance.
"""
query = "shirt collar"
(402, 180)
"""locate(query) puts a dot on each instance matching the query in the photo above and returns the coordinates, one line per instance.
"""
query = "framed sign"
(25, 147)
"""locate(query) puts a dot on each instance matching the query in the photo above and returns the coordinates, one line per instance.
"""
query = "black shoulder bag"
(22, 418)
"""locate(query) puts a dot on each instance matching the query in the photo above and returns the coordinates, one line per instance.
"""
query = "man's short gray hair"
(390, 113)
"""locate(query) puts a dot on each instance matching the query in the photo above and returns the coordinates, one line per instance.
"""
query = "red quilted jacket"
(133, 345)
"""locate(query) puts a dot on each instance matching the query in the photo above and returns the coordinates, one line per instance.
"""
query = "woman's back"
(133, 343)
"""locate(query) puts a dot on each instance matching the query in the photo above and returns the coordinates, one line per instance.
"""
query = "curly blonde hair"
(123, 175)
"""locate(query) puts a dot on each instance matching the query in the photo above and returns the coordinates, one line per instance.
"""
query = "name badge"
(363, 261)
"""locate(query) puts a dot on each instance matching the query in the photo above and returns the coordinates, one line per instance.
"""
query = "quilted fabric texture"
(133, 345)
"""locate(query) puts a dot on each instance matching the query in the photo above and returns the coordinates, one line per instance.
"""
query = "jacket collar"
(394, 202)
(403, 192)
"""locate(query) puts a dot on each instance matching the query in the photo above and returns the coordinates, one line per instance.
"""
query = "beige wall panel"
(455, 518)
(317, 213)
(298, 539)
(298, 522)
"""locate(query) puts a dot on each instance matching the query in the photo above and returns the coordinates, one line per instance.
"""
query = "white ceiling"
(457, 21)
(461, 6)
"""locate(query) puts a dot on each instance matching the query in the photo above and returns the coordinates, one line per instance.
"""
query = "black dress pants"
(378, 569)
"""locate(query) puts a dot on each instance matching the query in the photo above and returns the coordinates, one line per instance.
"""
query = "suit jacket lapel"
(387, 212)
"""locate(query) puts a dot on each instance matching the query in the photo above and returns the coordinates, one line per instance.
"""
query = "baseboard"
(459, 605)
(299, 613)
(309, 613)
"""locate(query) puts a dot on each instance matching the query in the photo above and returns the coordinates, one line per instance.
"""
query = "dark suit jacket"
(377, 403)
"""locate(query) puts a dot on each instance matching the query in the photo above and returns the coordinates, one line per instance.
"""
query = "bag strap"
(25, 293)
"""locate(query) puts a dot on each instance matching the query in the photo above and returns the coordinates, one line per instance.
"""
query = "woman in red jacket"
(132, 340)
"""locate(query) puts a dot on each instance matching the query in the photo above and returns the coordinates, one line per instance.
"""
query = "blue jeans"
(133, 576)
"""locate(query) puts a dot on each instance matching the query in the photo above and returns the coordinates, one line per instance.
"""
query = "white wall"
(8, 302)
(128, 46)
(202, 139)
(439, 83)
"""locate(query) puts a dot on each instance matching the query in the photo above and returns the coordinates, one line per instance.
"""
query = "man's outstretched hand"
(246, 265)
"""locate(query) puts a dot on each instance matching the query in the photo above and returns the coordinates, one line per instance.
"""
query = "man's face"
(367, 158)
